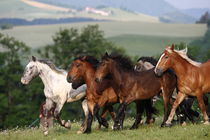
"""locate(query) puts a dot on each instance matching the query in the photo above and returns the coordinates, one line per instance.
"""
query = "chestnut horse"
(193, 78)
(82, 71)
(135, 86)
(184, 110)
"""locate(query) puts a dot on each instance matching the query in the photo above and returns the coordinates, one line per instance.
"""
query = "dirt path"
(46, 6)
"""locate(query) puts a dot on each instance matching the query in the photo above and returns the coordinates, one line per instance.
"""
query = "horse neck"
(89, 75)
(117, 76)
(46, 74)
(181, 67)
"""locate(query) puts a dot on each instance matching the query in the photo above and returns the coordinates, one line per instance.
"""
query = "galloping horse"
(184, 111)
(56, 89)
(135, 86)
(82, 71)
(193, 78)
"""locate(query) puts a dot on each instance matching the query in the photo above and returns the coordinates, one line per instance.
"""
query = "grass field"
(136, 37)
(145, 132)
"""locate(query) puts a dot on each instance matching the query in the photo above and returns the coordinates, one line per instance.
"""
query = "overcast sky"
(185, 4)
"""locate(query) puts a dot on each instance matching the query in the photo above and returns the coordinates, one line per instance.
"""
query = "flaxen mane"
(184, 56)
(52, 66)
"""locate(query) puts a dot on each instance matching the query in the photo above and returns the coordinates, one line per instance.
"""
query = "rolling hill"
(21, 9)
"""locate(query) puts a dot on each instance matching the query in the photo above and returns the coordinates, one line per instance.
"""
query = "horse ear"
(84, 58)
(172, 47)
(33, 58)
(106, 54)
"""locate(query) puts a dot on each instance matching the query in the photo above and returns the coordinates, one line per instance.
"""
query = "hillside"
(149, 7)
(158, 8)
(24, 10)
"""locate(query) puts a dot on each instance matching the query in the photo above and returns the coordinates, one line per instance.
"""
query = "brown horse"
(193, 78)
(82, 71)
(135, 86)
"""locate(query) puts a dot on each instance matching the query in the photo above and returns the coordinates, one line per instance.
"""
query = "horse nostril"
(97, 80)
(69, 79)
(158, 72)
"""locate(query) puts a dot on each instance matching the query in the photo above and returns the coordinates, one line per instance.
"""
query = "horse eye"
(166, 57)
(30, 68)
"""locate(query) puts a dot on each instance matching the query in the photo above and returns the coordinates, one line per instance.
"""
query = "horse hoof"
(168, 124)
(133, 127)
(79, 132)
(105, 123)
(68, 125)
(46, 133)
(184, 124)
(206, 123)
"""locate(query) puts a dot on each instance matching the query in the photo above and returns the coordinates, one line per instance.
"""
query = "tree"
(204, 18)
(19, 104)
(69, 43)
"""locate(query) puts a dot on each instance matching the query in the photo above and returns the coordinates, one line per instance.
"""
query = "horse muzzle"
(98, 80)
(23, 81)
(69, 79)
(158, 72)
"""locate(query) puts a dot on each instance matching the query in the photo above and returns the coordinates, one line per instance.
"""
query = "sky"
(186, 4)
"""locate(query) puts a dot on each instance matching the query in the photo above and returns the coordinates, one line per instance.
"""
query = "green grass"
(145, 132)
(136, 37)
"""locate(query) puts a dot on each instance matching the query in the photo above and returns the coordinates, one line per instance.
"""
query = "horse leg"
(118, 118)
(48, 105)
(63, 123)
(139, 112)
(103, 115)
(150, 110)
(166, 99)
(202, 107)
(180, 97)
(89, 123)
(86, 111)
(101, 120)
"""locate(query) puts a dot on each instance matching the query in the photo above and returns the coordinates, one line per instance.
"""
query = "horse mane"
(151, 60)
(123, 62)
(90, 59)
(52, 66)
(184, 56)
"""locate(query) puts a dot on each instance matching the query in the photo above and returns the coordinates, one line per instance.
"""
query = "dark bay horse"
(134, 86)
(82, 71)
(193, 78)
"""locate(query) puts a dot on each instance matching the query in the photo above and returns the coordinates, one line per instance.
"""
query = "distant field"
(146, 45)
(138, 38)
(145, 132)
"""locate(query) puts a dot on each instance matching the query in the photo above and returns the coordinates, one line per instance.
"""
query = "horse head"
(31, 71)
(76, 72)
(165, 62)
(103, 68)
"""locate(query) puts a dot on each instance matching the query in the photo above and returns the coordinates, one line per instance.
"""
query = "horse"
(56, 89)
(193, 78)
(184, 111)
(82, 70)
(135, 86)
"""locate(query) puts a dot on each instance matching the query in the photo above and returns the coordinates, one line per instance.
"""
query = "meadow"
(144, 132)
(138, 38)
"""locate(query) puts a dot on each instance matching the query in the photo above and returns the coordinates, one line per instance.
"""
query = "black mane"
(122, 61)
(152, 60)
(90, 59)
